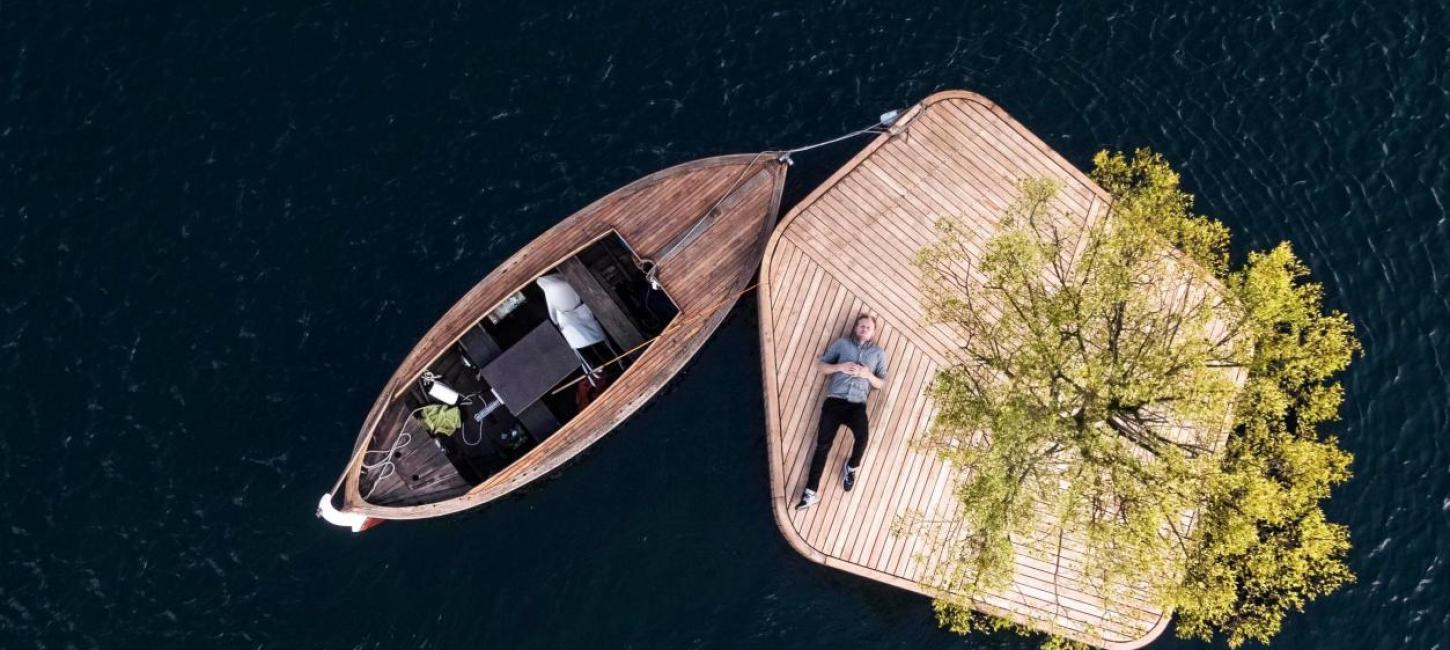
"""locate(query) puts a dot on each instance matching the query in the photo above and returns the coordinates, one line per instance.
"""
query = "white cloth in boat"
(574, 319)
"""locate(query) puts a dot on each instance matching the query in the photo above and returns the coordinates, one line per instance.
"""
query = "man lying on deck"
(855, 365)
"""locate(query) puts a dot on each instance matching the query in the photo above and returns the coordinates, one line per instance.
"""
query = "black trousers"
(834, 413)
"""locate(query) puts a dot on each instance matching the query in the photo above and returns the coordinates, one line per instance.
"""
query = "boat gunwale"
(352, 501)
(402, 388)
(442, 350)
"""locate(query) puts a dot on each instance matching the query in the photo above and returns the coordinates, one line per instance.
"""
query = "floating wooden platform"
(847, 249)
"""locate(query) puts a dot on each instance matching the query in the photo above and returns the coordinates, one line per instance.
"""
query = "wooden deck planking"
(851, 243)
(787, 276)
(841, 513)
(877, 457)
(878, 517)
(895, 496)
(810, 392)
(882, 300)
(799, 372)
(902, 397)
(818, 521)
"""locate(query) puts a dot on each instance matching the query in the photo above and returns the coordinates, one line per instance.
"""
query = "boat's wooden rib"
(708, 269)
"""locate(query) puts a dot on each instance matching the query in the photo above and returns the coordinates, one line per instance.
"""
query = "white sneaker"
(808, 499)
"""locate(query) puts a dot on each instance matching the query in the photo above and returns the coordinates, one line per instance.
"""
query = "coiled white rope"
(388, 468)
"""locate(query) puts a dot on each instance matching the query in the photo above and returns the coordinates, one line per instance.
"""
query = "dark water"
(222, 226)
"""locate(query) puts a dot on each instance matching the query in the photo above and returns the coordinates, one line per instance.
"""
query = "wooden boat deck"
(704, 223)
(847, 249)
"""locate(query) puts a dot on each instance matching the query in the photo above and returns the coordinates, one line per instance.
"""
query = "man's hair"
(866, 317)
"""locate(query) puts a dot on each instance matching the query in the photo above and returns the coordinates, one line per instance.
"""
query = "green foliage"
(1091, 397)
(1266, 547)
(1145, 189)
(1091, 368)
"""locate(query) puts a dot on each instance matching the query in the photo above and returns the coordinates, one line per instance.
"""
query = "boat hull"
(704, 223)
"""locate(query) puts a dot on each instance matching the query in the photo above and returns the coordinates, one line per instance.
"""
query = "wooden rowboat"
(534, 377)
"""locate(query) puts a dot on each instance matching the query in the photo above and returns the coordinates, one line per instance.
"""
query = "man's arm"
(827, 363)
(878, 376)
(856, 370)
(862, 372)
(828, 368)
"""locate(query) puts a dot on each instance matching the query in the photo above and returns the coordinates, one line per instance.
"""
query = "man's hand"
(852, 370)
(831, 368)
(862, 372)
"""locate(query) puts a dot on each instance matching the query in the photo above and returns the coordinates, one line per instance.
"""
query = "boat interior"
(515, 377)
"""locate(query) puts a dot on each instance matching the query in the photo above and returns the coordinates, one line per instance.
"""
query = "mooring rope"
(651, 266)
(882, 125)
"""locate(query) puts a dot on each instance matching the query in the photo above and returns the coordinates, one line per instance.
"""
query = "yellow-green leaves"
(1102, 361)
(1266, 548)
(1088, 398)
(1145, 188)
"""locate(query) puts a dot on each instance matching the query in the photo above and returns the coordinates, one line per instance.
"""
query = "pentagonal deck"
(846, 249)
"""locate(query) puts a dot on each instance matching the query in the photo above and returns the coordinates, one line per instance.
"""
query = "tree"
(1266, 546)
(1099, 373)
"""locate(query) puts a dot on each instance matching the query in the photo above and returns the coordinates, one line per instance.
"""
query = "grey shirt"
(844, 386)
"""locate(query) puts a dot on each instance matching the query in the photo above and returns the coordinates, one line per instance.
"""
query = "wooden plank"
(894, 277)
(838, 512)
(810, 386)
(784, 274)
(821, 516)
(937, 477)
(886, 408)
(703, 279)
(603, 303)
(824, 292)
(1013, 134)
(906, 496)
(873, 295)
(954, 154)
(798, 383)
(826, 328)
(877, 519)
(877, 479)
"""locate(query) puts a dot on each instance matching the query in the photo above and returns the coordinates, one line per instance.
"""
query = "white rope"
(651, 267)
(388, 468)
(463, 400)
(882, 125)
(467, 400)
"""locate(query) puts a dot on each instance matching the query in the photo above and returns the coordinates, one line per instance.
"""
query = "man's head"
(865, 330)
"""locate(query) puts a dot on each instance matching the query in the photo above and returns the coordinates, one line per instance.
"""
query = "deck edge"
(780, 502)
